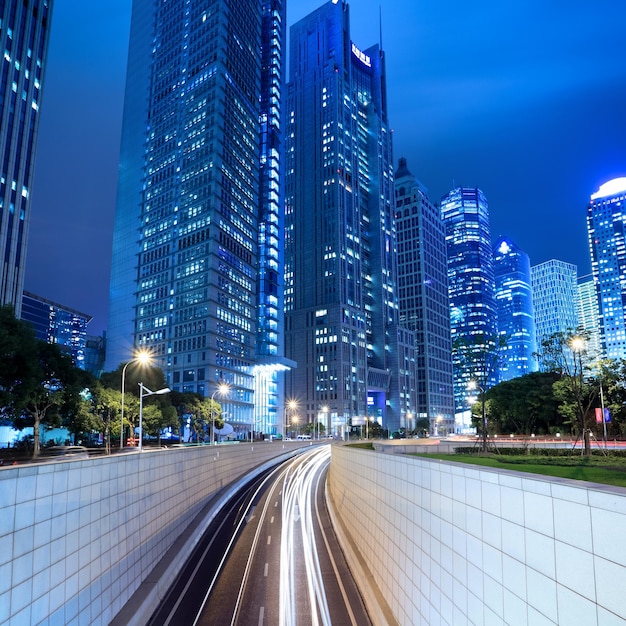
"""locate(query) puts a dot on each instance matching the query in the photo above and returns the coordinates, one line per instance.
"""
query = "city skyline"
(534, 123)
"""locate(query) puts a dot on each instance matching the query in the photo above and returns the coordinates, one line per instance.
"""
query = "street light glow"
(143, 357)
(222, 389)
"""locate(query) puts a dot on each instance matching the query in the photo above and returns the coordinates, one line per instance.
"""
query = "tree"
(201, 412)
(107, 404)
(156, 418)
(525, 405)
(566, 352)
(51, 389)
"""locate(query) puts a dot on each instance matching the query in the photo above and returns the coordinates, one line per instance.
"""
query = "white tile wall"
(465, 545)
(78, 538)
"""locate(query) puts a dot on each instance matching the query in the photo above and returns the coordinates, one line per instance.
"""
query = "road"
(281, 562)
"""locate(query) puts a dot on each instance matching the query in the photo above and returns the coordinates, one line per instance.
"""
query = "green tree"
(525, 405)
(51, 389)
(202, 413)
(567, 353)
(107, 405)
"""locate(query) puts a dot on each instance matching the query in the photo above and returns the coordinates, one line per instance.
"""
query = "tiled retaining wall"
(447, 543)
(77, 538)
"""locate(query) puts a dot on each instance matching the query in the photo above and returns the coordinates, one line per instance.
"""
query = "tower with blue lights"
(514, 302)
(25, 31)
(197, 266)
(353, 358)
(423, 298)
(473, 314)
(555, 300)
(606, 225)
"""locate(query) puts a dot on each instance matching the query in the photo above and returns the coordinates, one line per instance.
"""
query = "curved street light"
(223, 390)
(144, 391)
(142, 358)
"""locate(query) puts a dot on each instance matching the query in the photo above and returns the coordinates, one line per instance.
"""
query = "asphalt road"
(274, 560)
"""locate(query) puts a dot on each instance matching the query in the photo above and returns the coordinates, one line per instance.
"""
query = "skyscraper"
(555, 296)
(516, 318)
(340, 252)
(473, 317)
(197, 251)
(25, 31)
(606, 222)
(423, 298)
(58, 324)
(589, 315)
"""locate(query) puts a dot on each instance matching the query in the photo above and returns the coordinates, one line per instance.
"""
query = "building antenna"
(380, 25)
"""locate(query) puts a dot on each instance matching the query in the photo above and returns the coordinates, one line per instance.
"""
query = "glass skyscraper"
(353, 359)
(58, 324)
(473, 316)
(516, 318)
(588, 314)
(197, 252)
(25, 31)
(423, 298)
(606, 224)
(555, 300)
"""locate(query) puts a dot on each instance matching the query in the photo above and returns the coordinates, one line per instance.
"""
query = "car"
(64, 453)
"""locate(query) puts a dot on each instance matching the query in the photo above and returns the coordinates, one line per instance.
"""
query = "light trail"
(298, 529)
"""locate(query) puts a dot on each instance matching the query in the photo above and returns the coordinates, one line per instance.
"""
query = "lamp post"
(144, 391)
(577, 345)
(325, 412)
(294, 420)
(222, 389)
(141, 358)
(292, 405)
(474, 385)
(409, 418)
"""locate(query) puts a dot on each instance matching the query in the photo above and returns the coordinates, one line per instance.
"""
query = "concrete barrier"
(78, 539)
(448, 543)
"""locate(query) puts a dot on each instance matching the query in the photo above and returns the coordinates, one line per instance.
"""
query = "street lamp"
(144, 391)
(409, 418)
(142, 358)
(325, 412)
(474, 385)
(223, 390)
(292, 405)
(294, 420)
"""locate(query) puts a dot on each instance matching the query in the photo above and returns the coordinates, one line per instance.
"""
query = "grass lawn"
(606, 470)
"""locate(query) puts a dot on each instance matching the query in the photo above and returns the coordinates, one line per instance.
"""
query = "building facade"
(606, 222)
(473, 316)
(25, 31)
(423, 298)
(58, 324)
(588, 315)
(197, 251)
(353, 359)
(516, 318)
(555, 300)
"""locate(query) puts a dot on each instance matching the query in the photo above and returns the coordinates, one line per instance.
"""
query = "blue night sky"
(525, 99)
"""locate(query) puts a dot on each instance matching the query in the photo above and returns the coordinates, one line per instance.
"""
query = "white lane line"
(261, 613)
(269, 539)
(265, 570)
